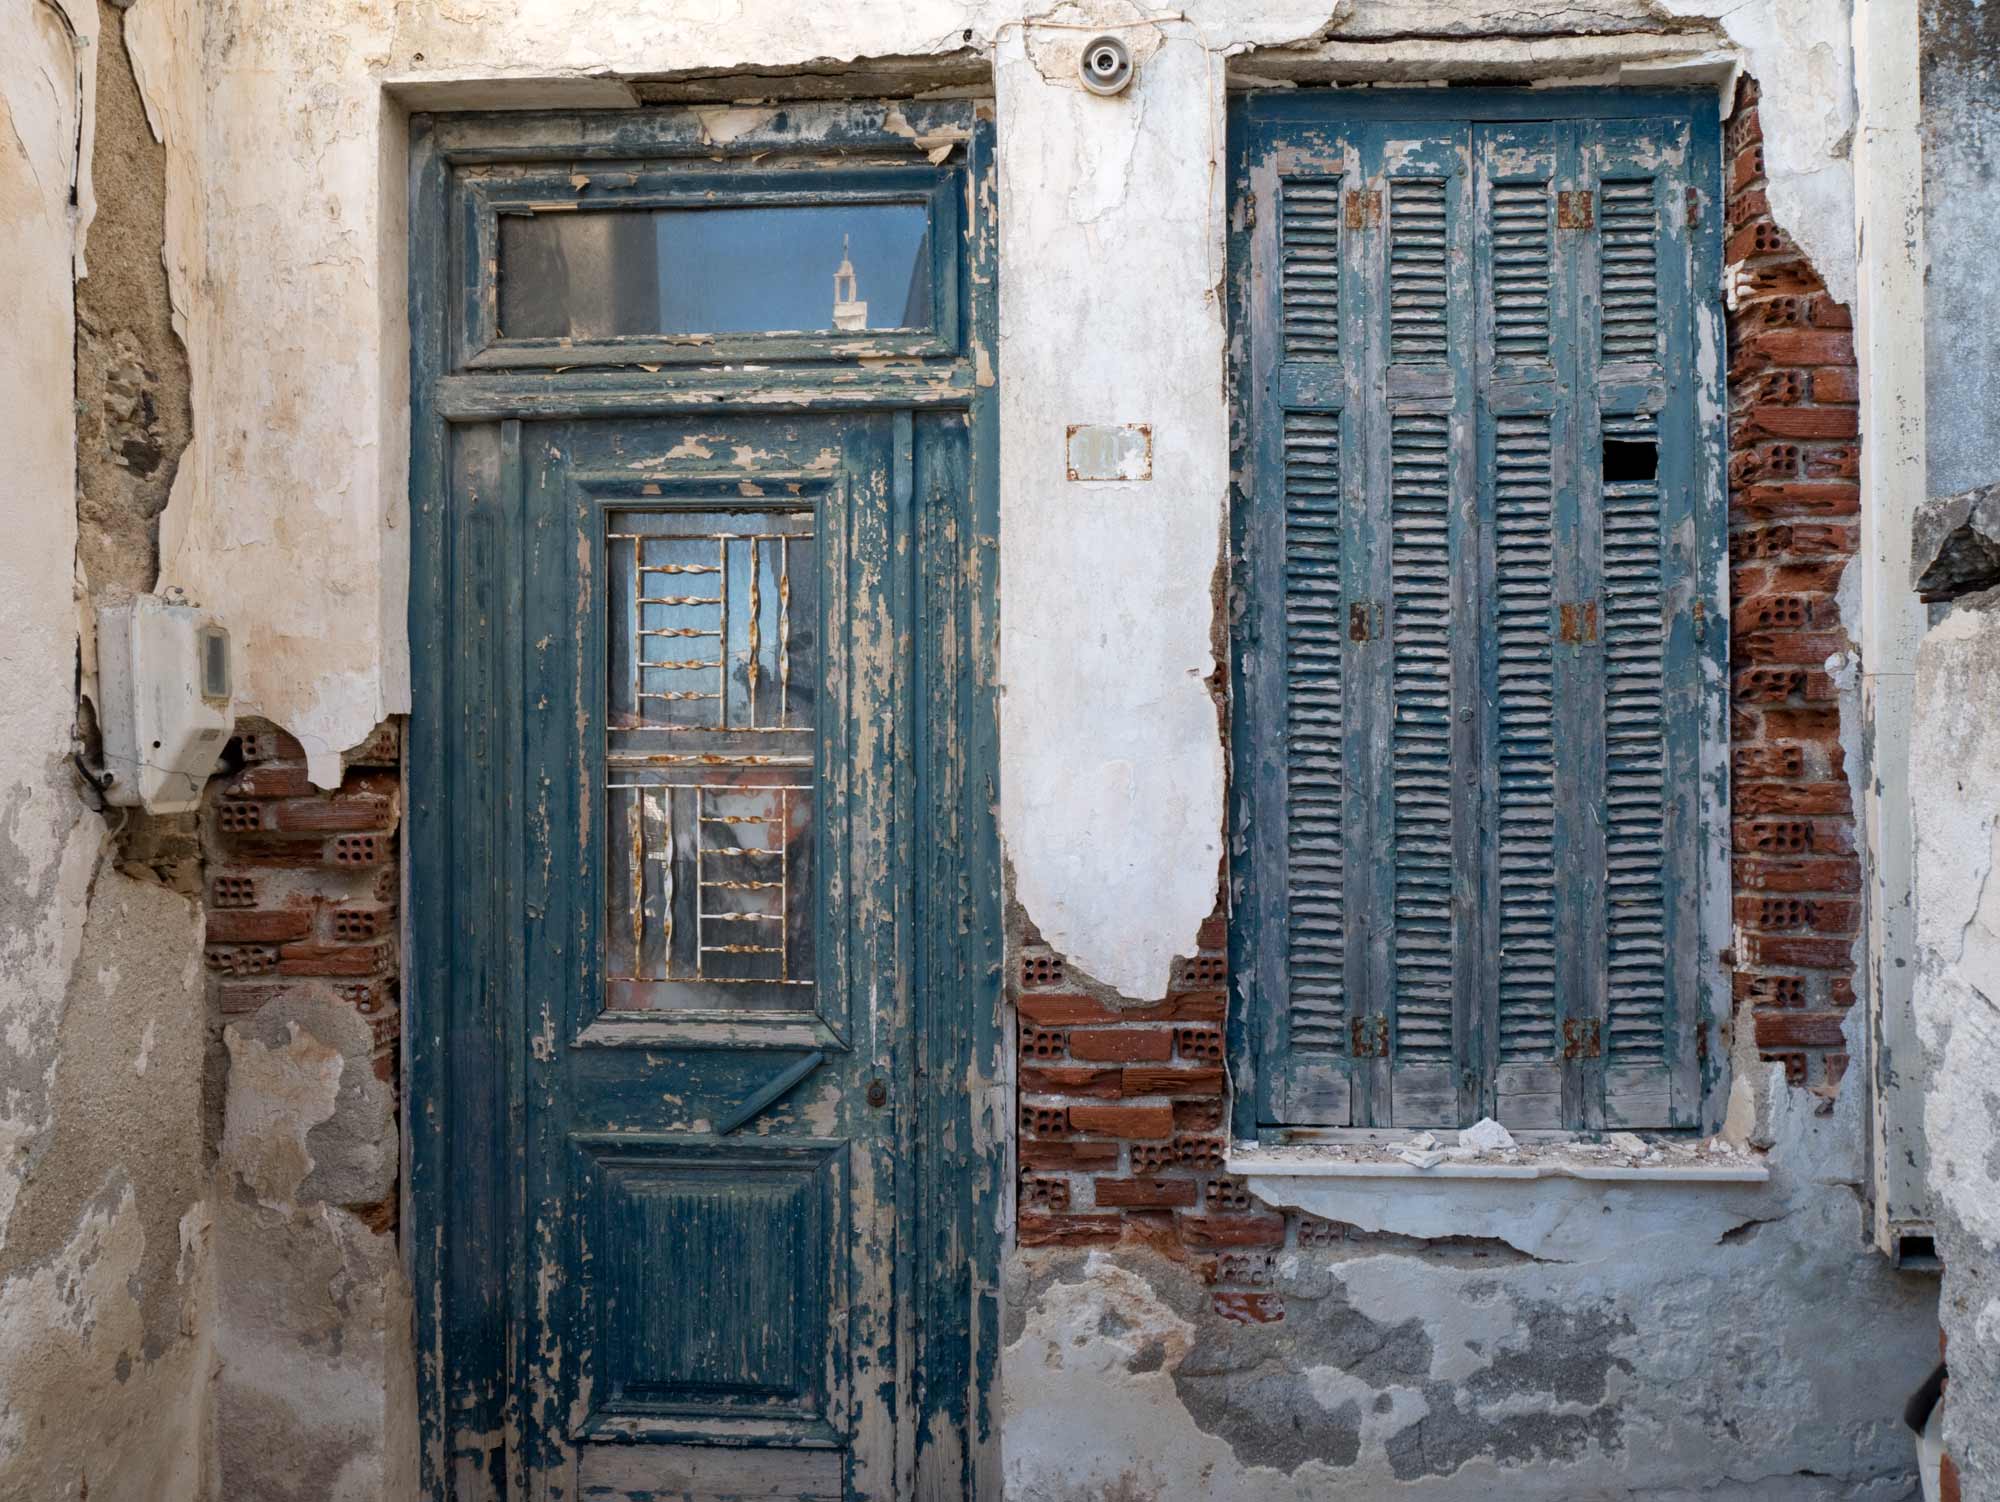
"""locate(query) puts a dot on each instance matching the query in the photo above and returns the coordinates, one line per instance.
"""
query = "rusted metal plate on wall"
(1119, 452)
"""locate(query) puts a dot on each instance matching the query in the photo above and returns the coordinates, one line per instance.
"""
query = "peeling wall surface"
(105, 1244)
(1961, 136)
(1955, 750)
(1492, 1340)
(1955, 787)
(195, 1298)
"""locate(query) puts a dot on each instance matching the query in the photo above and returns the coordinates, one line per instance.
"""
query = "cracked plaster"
(1955, 792)
(1682, 1349)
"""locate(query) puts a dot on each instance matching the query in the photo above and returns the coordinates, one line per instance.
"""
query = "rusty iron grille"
(709, 793)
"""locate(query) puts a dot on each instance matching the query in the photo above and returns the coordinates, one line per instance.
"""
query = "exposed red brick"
(1247, 1307)
(1071, 1079)
(1158, 1194)
(1064, 1009)
(1801, 724)
(1777, 759)
(1837, 384)
(1120, 1044)
(1215, 1232)
(334, 959)
(1800, 422)
(241, 926)
(1123, 1121)
(1197, 1115)
(1800, 347)
(1805, 952)
(1068, 1157)
(1817, 875)
(1038, 1228)
(1799, 498)
(1146, 1079)
(1790, 648)
(1800, 1029)
(276, 779)
(1754, 798)
(335, 815)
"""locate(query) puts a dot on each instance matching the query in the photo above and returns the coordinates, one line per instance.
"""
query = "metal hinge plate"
(1583, 1038)
(1368, 1037)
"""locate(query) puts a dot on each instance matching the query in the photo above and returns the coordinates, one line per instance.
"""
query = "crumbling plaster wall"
(1955, 791)
(284, 234)
(105, 1255)
(1677, 1342)
(1955, 754)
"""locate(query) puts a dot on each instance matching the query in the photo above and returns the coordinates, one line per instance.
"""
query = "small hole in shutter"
(1628, 460)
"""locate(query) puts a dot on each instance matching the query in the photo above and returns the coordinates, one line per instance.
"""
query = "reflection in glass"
(809, 268)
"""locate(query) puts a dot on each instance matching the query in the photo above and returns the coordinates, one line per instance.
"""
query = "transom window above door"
(1480, 711)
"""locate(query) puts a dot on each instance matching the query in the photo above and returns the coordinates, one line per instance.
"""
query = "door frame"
(465, 1034)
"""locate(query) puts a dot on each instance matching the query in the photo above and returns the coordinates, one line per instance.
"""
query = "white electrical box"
(165, 679)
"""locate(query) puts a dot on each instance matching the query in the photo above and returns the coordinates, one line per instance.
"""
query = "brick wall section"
(1122, 1108)
(1794, 508)
(1122, 1126)
(302, 886)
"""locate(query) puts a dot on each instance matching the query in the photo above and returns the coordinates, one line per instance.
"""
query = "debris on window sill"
(1489, 1151)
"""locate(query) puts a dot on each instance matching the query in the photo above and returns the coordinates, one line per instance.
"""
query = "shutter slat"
(1418, 329)
(1523, 502)
(1629, 247)
(1519, 225)
(1309, 267)
(1635, 763)
(1315, 627)
(1421, 738)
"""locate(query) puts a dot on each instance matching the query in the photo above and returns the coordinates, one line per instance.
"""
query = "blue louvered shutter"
(1469, 700)
(1292, 687)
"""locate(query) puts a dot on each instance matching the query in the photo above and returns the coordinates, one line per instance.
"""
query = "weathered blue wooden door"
(704, 792)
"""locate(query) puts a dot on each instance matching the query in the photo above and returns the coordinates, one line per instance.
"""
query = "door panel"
(718, 1101)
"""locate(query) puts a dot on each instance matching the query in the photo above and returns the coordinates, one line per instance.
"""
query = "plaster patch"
(276, 1097)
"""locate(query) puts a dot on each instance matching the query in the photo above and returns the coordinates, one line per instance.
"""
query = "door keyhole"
(878, 1094)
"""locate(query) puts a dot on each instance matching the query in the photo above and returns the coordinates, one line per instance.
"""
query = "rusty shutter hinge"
(1694, 207)
(1700, 620)
(1368, 1037)
(1582, 1038)
(1573, 210)
(1364, 207)
(1577, 622)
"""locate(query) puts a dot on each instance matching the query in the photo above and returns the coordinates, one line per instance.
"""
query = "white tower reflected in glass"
(849, 311)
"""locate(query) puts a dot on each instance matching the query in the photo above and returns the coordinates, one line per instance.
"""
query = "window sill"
(1555, 1201)
(1667, 1164)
